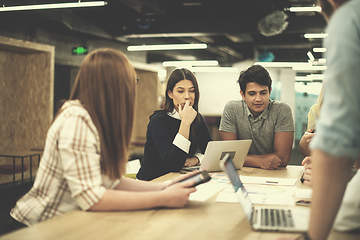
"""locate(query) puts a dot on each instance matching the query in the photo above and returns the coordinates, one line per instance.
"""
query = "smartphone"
(303, 203)
(200, 177)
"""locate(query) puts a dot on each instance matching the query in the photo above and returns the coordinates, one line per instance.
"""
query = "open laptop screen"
(238, 187)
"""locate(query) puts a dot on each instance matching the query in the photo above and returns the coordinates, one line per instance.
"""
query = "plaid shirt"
(69, 175)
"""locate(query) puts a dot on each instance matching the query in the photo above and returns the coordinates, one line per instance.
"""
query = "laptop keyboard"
(276, 218)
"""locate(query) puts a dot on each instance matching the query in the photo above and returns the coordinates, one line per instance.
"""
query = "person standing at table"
(177, 135)
(313, 116)
(336, 144)
(86, 150)
(267, 122)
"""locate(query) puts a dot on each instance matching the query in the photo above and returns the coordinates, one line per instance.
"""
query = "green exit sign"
(80, 50)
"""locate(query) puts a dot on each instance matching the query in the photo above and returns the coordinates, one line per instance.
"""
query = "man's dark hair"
(255, 73)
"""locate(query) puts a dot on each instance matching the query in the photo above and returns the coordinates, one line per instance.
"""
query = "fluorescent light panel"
(305, 9)
(311, 56)
(297, 66)
(280, 64)
(310, 77)
(167, 47)
(308, 67)
(315, 35)
(53, 6)
(190, 63)
(319, 49)
(214, 69)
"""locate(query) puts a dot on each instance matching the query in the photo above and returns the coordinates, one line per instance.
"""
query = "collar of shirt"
(174, 114)
(264, 113)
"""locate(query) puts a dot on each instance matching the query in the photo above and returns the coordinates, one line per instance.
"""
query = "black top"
(161, 156)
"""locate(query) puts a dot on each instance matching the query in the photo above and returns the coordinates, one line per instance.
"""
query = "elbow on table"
(284, 162)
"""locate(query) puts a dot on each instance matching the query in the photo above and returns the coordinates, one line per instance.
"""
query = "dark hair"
(105, 85)
(176, 76)
(255, 73)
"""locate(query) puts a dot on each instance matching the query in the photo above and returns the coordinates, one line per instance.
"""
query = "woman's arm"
(305, 141)
(330, 177)
(131, 194)
(187, 115)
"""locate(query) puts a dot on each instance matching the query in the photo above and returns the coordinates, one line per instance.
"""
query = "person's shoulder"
(279, 105)
(350, 7)
(74, 108)
(346, 15)
(314, 107)
(158, 114)
(71, 110)
(159, 117)
(234, 103)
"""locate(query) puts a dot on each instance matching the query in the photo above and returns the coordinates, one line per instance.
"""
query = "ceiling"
(229, 27)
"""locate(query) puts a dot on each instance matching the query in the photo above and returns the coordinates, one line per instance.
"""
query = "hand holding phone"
(303, 203)
(200, 177)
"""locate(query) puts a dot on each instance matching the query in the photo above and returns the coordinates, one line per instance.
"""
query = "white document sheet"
(269, 181)
(204, 191)
(303, 193)
(261, 194)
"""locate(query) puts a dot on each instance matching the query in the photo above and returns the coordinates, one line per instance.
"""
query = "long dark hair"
(176, 76)
(105, 85)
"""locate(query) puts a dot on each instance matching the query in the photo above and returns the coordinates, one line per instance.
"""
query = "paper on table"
(303, 193)
(269, 181)
(204, 191)
(270, 199)
(260, 194)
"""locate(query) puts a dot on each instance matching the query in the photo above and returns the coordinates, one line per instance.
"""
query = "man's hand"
(270, 162)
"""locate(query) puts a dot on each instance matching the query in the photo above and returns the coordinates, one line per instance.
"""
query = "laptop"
(216, 150)
(285, 219)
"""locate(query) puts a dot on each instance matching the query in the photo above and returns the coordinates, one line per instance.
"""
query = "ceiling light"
(311, 56)
(310, 77)
(315, 35)
(165, 35)
(316, 76)
(319, 49)
(303, 78)
(305, 9)
(167, 47)
(308, 67)
(279, 64)
(214, 69)
(54, 5)
(190, 63)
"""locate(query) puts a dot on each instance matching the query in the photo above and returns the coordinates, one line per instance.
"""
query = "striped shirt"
(69, 175)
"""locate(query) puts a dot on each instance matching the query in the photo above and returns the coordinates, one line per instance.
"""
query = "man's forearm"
(330, 177)
(255, 160)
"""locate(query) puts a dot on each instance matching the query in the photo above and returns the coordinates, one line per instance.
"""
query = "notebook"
(262, 218)
(216, 150)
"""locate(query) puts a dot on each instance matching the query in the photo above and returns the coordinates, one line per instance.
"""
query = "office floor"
(9, 194)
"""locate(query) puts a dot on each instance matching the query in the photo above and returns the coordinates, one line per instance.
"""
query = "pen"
(272, 182)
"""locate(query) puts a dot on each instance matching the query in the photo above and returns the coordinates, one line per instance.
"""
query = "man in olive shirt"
(267, 122)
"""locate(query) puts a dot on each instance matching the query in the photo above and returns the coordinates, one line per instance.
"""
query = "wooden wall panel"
(26, 94)
(146, 103)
